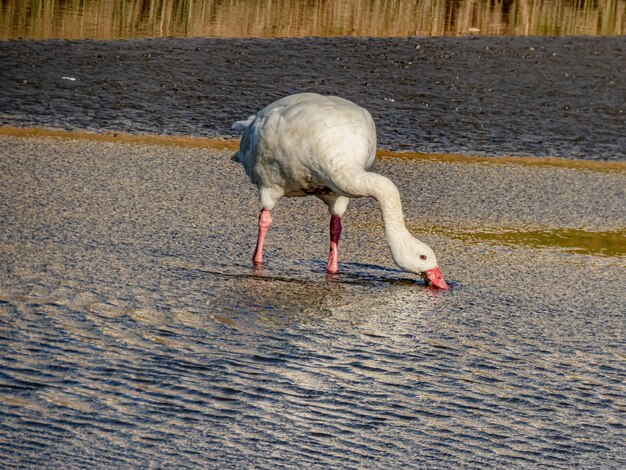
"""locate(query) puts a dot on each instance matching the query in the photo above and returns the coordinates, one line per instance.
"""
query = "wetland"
(134, 331)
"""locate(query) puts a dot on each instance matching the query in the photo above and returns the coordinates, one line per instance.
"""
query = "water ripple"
(116, 355)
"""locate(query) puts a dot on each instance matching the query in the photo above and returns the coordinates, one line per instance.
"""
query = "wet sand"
(480, 96)
(135, 331)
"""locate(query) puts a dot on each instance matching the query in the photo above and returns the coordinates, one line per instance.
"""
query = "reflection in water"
(288, 18)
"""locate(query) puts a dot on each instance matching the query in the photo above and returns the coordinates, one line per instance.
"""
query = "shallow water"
(134, 332)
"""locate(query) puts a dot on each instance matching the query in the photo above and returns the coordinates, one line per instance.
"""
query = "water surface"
(541, 97)
(134, 331)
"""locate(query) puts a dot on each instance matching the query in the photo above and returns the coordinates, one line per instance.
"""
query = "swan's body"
(313, 145)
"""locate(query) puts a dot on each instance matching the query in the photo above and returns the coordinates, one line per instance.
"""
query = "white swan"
(313, 145)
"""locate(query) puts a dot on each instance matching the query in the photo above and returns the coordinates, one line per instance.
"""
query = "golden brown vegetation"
(114, 19)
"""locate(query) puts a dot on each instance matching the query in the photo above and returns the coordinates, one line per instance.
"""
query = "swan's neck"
(385, 192)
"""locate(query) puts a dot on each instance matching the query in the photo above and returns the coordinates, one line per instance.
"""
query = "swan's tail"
(243, 125)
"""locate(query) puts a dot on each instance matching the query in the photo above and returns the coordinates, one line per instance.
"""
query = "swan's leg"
(337, 206)
(335, 231)
(265, 221)
(269, 196)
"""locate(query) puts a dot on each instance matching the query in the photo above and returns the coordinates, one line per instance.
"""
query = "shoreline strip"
(233, 144)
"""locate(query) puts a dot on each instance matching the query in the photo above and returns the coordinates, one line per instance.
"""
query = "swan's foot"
(332, 267)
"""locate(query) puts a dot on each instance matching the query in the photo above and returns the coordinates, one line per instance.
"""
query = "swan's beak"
(434, 278)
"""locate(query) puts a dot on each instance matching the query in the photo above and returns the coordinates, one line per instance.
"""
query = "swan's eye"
(422, 256)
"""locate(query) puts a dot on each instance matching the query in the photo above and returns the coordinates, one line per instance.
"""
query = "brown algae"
(233, 144)
(122, 138)
(610, 243)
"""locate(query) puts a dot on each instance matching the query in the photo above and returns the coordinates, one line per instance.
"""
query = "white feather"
(243, 125)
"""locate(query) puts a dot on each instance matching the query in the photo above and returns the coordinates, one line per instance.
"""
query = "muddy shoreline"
(485, 96)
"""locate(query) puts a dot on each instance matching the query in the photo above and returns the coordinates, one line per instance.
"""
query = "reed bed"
(118, 19)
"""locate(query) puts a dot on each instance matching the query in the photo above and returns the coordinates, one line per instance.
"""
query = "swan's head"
(417, 257)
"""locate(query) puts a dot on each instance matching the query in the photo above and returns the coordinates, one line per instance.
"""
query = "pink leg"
(265, 220)
(335, 232)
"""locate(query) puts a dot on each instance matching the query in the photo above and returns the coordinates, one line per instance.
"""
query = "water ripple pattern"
(134, 332)
(494, 96)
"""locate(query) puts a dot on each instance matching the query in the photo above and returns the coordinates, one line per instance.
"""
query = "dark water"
(134, 332)
(518, 96)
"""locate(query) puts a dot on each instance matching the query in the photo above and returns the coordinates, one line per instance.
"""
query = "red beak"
(434, 278)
